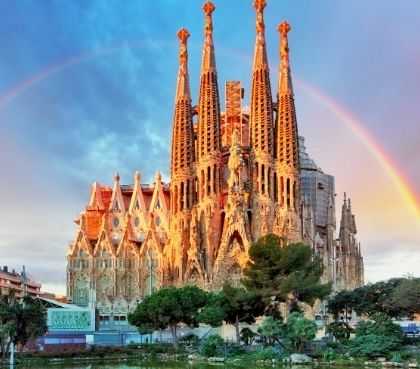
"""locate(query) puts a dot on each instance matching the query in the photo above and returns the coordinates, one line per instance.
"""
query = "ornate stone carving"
(198, 228)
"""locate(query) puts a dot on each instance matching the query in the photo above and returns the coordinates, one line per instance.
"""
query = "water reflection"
(172, 365)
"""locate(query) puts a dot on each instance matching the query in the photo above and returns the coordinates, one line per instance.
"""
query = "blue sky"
(106, 106)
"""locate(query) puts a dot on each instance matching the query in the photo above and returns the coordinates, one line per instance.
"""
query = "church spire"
(287, 132)
(261, 114)
(285, 80)
(182, 155)
(182, 135)
(208, 62)
(208, 135)
(209, 140)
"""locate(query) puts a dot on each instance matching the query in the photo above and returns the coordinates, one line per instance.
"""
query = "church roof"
(92, 217)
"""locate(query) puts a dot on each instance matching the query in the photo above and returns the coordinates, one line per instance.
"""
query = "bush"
(267, 353)
(234, 350)
(271, 330)
(376, 337)
(298, 331)
(212, 346)
(373, 346)
(341, 331)
(160, 348)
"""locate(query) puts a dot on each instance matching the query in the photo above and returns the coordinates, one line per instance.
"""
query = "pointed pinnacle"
(259, 5)
(284, 28)
(209, 8)
(183, 35)
(137, 177)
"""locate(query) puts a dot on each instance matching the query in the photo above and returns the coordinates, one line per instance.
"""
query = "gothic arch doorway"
(235, 241)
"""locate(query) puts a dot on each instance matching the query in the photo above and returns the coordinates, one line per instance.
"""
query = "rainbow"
(358, 129)
(355, 125)
(57, 67)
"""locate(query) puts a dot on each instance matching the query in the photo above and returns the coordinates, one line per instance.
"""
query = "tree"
(298, 331)
(212, 345)
(376, 337)
(20, 321)
(271, 330)
(405, 297)
(341, 331)
(233, 306)
(397, 297)
(288, 273)
(167, 308)
(342, 303)
(373, 298)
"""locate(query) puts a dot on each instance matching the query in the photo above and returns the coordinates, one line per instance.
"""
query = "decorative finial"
(137, 177)
(116, 177)
(209, 8)
(183, 35)
(158, 177)
(345, 198)
(284, 28)
(259, 5)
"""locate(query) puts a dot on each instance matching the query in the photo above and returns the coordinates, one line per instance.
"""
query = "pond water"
(133, 366)
(143, 365)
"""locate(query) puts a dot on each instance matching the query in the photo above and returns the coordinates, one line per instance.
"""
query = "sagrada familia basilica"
(235, 175)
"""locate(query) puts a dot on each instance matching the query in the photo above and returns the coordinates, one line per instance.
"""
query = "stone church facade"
(234, 177)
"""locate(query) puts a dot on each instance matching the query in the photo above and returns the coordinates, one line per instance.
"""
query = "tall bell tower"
(261, 131)
(287, 171)
(182, 163)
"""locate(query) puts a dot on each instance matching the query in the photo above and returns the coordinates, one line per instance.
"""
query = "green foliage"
(297, 331)
(380, 324)
(271, 330)
(341, 331)
(234, 349)
(376, 337)
(20, 321)
(213, 313)
(240, 305)
(267, 353)
(212, 346)
(169, 307)
(290, 272)
(233, 306)
(342, 303)
(373, 346)
(398, 297)
(396, 357)
(329, 354)
(405, 297)
(264, 268)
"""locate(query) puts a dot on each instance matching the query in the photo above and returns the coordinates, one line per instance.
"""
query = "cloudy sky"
(86, 89)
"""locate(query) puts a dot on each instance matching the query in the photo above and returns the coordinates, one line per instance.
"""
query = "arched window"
(276, 190)
(262, 179)
(282, 190)
(181, 196)
(151, 266)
